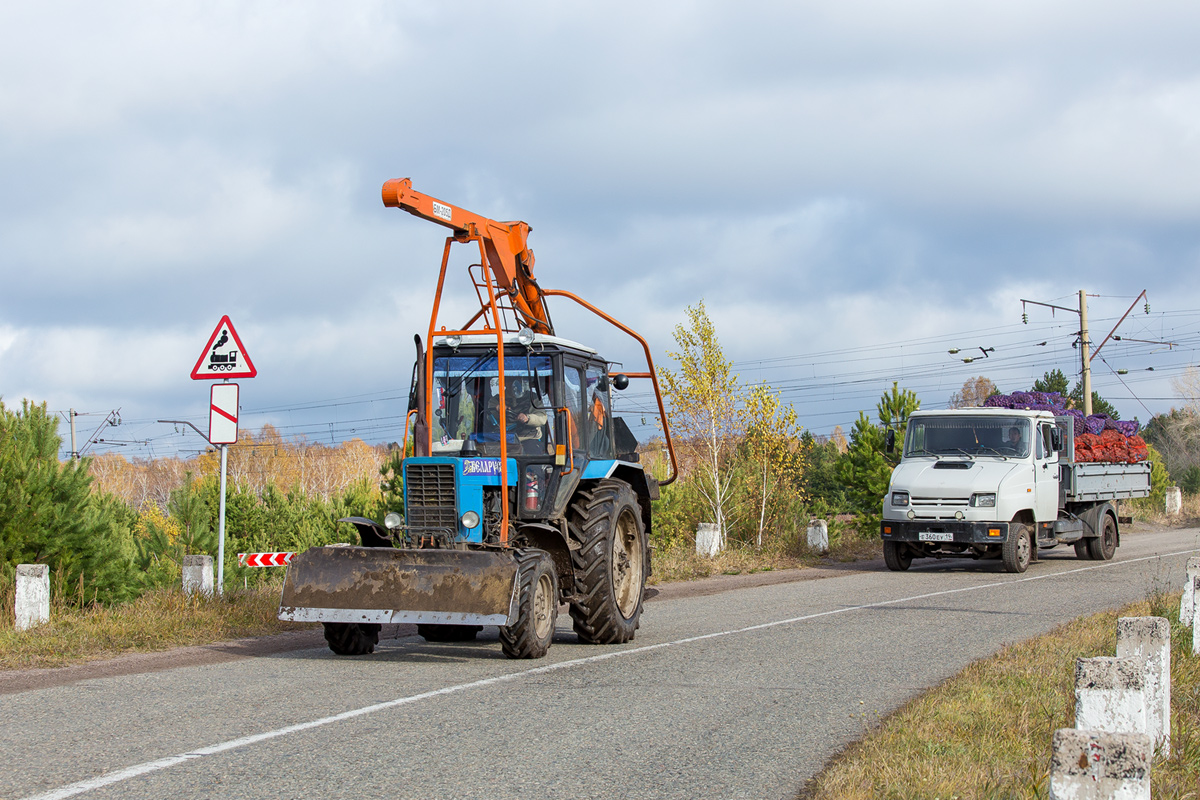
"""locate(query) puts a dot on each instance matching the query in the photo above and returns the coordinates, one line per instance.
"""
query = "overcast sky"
(852, 188)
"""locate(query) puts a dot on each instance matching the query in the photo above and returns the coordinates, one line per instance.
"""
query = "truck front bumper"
(944, 531)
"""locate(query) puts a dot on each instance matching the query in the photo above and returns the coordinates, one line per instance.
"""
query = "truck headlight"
(984, 500)
(900, 499)
(469, 520)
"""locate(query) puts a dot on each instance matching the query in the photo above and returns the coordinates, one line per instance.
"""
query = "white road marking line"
(70, 790)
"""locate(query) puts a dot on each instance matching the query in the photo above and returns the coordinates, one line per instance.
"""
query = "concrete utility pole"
(1084, 345)
(74, 449)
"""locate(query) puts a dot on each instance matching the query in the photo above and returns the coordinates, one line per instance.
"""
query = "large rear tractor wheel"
(1017, 552)
(448, 633)
(610, 564)
(1104, 546)
(897, 556)
(537, 607)
(352, 638)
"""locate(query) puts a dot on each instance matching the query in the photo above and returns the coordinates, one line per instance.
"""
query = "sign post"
(224, 357)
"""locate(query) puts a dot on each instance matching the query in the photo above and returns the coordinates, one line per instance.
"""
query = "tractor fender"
(551, 539)
(371, 532)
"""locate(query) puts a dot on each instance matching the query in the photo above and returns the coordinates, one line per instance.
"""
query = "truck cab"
(1000, 483)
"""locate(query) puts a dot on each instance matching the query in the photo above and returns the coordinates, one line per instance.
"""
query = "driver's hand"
(522, 418)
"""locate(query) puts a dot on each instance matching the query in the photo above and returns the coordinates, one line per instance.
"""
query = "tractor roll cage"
(504, 283)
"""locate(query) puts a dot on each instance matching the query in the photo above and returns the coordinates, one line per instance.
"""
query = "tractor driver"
(525, 418)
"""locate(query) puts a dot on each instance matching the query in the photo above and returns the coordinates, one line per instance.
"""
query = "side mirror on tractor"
(889, 441)
(620, 382)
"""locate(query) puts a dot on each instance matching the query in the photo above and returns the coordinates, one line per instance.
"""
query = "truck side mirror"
(1056, 438)
(889, 441)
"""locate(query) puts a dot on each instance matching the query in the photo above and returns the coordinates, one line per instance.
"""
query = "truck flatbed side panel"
(1091, 482)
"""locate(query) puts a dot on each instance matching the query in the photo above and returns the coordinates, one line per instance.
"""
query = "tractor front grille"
(430, 501)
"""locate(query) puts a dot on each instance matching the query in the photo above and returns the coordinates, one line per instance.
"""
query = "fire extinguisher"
(531, 493)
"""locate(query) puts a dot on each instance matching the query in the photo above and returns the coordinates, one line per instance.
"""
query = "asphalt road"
(742, 694)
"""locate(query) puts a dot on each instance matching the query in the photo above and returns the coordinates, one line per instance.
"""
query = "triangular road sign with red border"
(224, 356)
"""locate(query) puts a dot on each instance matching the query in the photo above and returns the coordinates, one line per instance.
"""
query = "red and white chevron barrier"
(264, 559)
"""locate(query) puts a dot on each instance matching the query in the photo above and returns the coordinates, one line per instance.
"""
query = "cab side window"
(598, 429)
(574, 382)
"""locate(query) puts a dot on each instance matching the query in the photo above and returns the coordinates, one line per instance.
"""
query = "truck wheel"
(537, 607)
(351, 638)
(897, 556)
(1018, 550)
(1104, 546)
(610, 564)
(448, 633)
(1082, 551)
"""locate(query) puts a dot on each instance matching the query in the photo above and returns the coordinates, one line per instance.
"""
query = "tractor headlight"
(392, 521)
(469, 520)
(983, 500)
(900, 499)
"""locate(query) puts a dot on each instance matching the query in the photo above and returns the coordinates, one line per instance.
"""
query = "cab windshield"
(1008, 437)
(466, 404)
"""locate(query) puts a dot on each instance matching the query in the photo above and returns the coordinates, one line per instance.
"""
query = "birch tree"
(771, 434)
(704, 397)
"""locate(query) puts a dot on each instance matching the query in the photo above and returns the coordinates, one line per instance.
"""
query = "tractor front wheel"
(537, 607)
(351, 638)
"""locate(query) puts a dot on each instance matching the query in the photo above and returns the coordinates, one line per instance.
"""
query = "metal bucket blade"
(382, 584)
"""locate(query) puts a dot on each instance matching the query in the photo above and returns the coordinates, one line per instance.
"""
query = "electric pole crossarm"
(1122, 319)
(185, 422)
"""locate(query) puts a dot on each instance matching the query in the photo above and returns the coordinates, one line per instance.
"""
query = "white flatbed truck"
(1000, 483)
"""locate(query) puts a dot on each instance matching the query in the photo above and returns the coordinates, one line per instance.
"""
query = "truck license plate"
(935, 536)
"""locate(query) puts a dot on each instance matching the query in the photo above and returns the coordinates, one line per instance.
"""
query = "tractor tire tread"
(591, 522)
(352, 638)
(520, 639)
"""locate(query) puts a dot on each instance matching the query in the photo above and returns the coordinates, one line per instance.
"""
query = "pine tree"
(48, 514)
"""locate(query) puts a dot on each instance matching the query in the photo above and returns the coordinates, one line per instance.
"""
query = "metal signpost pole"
(221, 528)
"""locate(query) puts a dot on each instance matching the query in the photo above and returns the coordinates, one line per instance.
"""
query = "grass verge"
(158, 620)
(986, 732)
(683, 563)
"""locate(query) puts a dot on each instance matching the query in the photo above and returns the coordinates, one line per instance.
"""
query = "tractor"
(522, 491)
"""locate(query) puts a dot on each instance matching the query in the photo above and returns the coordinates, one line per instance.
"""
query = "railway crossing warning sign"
(224, 357)
(223, 414)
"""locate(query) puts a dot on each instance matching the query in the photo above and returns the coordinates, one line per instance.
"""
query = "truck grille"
(429, 493)
(938, 507)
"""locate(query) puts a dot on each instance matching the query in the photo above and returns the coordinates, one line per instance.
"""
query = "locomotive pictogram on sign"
(225, 356)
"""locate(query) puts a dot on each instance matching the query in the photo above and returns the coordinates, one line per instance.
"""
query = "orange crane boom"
(506, 243)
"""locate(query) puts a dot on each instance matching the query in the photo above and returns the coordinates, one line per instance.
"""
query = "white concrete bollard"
(1174, 499)
(1148, 640)
(1196, 616)
(818, 536)
(33, 595)
(1110, 695)
(1187, 603)
(708, 539)
(1095, 765)
(197, 575)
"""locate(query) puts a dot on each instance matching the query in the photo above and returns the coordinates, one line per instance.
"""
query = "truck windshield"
(466, 404)
(966, 435)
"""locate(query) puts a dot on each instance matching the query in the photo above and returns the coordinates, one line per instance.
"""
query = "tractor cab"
(549, 401)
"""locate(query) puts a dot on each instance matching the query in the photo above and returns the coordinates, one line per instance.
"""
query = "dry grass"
(685, 564)
(1188, 517)
(159, 620)
(986, 732)
(682, 564)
